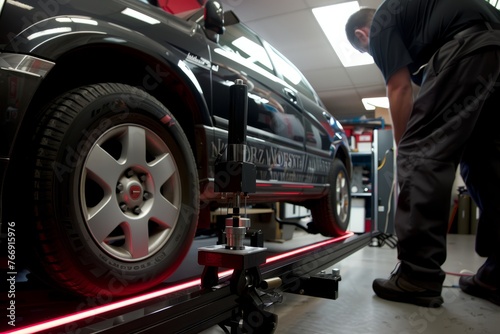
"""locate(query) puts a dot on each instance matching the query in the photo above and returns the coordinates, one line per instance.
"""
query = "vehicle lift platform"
(188, 307)
(238, 281)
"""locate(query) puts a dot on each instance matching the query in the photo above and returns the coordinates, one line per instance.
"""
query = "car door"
(319, 134)
(275, 130)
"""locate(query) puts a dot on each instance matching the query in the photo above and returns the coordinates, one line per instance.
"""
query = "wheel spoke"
(164, 213)
(134, 145)
(103, 219)
(103, 167)
(137, 237)
(162, 168)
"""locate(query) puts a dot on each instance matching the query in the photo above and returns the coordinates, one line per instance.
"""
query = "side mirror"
(214, 17)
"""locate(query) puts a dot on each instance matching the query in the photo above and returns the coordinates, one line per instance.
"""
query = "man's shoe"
(471, 286)
(398, 289)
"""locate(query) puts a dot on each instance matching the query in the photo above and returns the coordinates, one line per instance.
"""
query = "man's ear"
(362, 35)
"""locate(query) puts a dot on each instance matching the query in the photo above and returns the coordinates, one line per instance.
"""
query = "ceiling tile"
(249, 10)
(312, 58)
(365, 75)
(290, 30)
(328, 79)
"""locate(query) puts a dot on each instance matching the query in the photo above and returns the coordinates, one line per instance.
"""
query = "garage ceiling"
(290, 26)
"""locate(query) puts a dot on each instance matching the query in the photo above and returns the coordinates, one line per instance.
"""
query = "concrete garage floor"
(358, 310)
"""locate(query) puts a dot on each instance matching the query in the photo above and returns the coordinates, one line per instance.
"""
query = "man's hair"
(362, 18)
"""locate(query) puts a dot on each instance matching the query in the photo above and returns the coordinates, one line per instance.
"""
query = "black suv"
(113, 114)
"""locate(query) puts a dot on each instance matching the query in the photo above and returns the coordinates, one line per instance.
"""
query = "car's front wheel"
(116, 191)
(331, 213)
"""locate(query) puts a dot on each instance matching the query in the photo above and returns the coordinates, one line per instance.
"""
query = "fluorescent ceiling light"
(140, 16)
(332, 20)
(371, 103)
(495, 3)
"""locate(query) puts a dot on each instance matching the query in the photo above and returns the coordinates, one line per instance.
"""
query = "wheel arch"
(343, 154)
(161, 78)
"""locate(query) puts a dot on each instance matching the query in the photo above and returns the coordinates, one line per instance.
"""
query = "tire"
(331, 213)
(116, 194)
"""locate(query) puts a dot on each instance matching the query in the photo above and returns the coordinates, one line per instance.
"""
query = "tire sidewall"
(336, 169)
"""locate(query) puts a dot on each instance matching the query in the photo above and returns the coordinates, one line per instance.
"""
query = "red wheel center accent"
(135, 192)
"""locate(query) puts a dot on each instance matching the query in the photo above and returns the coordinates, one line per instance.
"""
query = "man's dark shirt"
(408, 32)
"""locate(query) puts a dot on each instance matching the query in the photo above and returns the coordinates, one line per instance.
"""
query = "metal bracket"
(322, 285)
(245, 280)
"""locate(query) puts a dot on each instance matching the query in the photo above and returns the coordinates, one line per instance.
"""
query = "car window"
(242, 43)
(290, 73)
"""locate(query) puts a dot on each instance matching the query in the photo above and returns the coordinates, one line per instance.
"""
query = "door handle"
(290, 94)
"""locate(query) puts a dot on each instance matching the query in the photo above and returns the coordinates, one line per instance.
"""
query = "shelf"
(361, 154)
(369, 123)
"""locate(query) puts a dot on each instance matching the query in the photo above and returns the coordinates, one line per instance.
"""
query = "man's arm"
(400, 94)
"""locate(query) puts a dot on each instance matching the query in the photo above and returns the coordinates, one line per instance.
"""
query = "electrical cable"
(463, 272)
(384, 239)
(224, 328)
(389, 206)
(384, 159)
(382, 164)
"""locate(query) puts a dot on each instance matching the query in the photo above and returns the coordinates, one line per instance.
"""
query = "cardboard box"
(365, 147)
(385, 114)
(364, 142)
